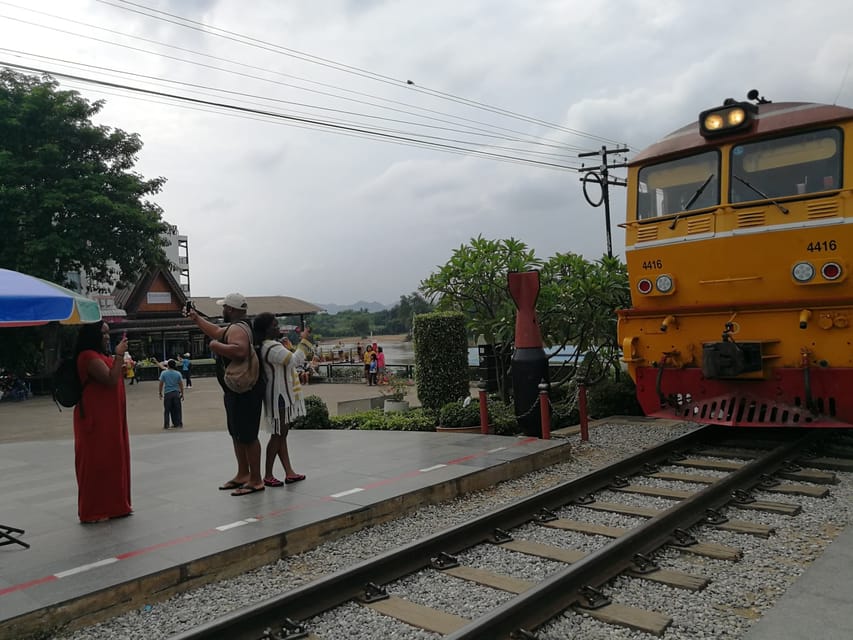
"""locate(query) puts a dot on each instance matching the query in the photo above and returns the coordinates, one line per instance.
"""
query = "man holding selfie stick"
(234, 343)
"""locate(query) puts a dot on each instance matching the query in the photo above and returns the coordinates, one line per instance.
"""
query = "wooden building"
(155, 322)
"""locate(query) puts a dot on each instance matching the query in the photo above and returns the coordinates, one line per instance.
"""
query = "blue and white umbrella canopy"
(28, 301)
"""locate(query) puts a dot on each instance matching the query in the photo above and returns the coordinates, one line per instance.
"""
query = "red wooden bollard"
(484, 411)
(582, 410)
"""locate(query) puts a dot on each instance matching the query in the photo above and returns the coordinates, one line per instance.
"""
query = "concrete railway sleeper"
(579, 581)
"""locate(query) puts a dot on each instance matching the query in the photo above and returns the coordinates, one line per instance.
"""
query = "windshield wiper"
(760, 192)
(693, 199)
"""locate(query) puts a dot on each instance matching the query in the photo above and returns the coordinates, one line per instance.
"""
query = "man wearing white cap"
(243, 410)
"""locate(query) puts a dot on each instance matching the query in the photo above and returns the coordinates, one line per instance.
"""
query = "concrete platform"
(819, 605)
(184, 532)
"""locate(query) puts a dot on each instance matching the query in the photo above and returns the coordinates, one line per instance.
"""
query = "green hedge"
(441, 358)
(614, 398)
(455, 414)
(417, 419)
(501, 415)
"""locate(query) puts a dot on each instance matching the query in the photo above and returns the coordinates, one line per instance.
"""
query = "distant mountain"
(332, 308)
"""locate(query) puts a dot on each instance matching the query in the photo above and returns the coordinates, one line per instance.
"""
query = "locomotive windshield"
(679, 185)
(793, 165)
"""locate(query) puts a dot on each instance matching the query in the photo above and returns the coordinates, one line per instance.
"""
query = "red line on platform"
(27, 585)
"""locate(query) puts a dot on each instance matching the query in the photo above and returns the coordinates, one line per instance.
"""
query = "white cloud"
(274, 209)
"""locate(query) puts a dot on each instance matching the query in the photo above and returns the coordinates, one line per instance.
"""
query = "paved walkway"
(184, 532)
(39, 418)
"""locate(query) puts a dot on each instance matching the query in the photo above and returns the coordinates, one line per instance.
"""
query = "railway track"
(722, 468)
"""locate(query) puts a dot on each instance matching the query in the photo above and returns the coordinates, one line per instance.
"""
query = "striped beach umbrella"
(26, 301)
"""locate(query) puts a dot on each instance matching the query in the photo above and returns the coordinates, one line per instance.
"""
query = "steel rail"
(555, 594)
(337, 588)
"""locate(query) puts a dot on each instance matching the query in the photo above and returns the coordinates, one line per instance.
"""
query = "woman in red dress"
(101, 439)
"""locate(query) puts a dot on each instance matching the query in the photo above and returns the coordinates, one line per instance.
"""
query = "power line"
(297, 119)
(307, 57)
(534, 140)
(231, 114)
(197, 88)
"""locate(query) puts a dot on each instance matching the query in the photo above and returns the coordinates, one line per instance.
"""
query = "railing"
(354, 372)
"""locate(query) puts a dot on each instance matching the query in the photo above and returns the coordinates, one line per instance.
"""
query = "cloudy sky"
(273, 208)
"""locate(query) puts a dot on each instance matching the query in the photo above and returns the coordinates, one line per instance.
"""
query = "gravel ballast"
(739, 591)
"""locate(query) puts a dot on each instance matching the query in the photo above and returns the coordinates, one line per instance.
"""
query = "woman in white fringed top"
(283, 401)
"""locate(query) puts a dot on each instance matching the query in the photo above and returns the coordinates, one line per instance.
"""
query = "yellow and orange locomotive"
(739, 235)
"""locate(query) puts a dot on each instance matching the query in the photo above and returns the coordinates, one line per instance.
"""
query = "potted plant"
(460, 416)
(395, 394)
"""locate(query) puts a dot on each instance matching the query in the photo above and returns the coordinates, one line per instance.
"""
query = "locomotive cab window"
(789, 166)
(679, 185)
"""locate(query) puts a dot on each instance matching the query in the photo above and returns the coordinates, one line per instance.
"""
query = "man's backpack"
(242, 375)
(67, 388)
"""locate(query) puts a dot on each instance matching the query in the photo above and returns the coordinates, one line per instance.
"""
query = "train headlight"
(831, 271)
(803, 271)
(714, 122)
(735, 117)
(664, 283)
(644, 286)
(732, 117)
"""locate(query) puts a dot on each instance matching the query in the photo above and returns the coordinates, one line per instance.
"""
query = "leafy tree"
(474, 282)
(408, 307)
(361, 324)
(69, 198)
(576, 311)
(576, 304)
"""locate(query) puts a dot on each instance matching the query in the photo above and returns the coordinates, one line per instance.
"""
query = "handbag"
(242, 375)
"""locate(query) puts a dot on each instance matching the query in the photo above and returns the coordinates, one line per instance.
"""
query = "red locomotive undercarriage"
(793, 397)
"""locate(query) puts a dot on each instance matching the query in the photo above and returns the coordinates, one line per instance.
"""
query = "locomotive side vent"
(822, 209)
(750, 219)
(699, 225)
(647, 233)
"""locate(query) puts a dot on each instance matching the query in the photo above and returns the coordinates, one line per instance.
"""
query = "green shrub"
(316, 415)
(416, 419)
(502, 417)
(612, 397)
(441, 358)
(454, 414)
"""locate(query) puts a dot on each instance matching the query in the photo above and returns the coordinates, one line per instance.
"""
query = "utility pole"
(601, 175)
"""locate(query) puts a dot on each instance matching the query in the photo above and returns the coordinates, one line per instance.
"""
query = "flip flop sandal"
(246, 490)
(292, 479)
(231, 485)
(273, 482)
